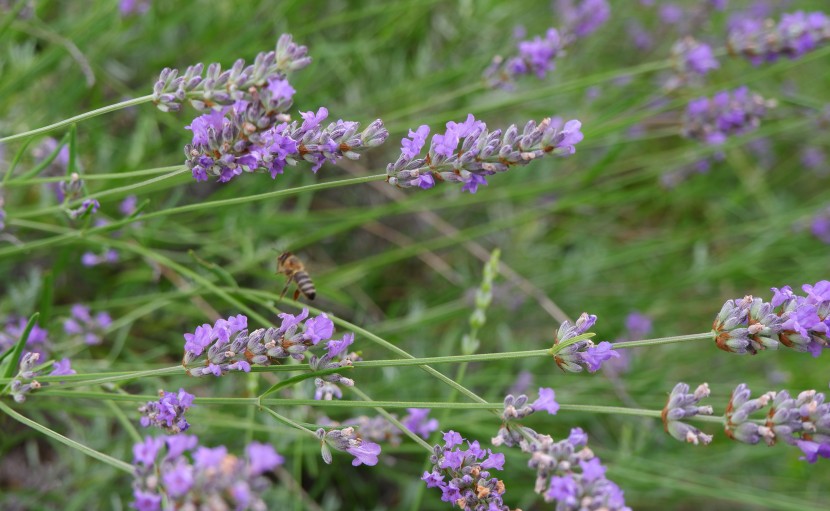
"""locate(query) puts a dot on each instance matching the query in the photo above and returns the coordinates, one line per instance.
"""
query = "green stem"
(287, 421)
(109, 460)
(79, 118)
(706, 336)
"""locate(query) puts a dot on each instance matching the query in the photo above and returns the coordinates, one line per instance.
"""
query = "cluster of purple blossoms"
(583, 19)
(683, 405)
(463, 475)
(37, 342)
(246, 127)
(247, 138)
(263, 346)
(25, 381)
(211, 88)
(793, 36)
(692, 60)
(348, 440)
(481, 152)
(536, 56)
(168, 412)
(569, 474)
(189, 476)
(749, 325)
(83, 324)
(727, 113)
(803, 421)
(582, 354)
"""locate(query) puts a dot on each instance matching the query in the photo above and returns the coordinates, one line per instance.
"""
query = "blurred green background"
(598, 232)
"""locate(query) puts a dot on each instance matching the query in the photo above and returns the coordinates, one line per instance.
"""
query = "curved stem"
(109, 460)
(79, 118)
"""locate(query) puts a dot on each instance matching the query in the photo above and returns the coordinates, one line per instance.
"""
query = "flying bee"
(294, 269)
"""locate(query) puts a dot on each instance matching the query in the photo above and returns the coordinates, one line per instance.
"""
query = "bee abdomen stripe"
(304, 282)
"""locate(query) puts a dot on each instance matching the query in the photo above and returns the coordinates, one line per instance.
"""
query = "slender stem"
(706, 336)
(109, 460)
(79, 118)
(287, 421)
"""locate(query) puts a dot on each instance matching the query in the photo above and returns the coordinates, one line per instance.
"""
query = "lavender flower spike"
(188, 476)
(467, 152)
(211, 88)
(464, 475)
(727, 113)
(535, 56)
(796, 34)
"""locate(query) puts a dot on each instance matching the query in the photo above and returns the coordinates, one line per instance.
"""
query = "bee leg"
(285, 289)
(296, 294)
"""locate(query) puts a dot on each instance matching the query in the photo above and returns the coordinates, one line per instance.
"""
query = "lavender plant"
(156, 253)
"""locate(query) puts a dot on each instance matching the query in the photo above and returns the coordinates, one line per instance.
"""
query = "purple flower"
(336, 347)
(411, 148)
(727, 113)
(683, 405)
(584, 19)
(146, 451)
(280, 89)
(594, 356)
(144, 500)
(812, 450)
(452, 439)
(205, 457)
(262, 458)
(592, 470)
(546, 401)
(179, 479)
(494, 460)
(671, 14)
(168, 412)
(318, 328)
(199, 340)
(577, 437)
(62, 368)
(563, 489)
(418, 421)
(365, 453)
(312, 120)
(178, 444)
(432, 479)
(472, 184)
(82, 324)
(638, 326)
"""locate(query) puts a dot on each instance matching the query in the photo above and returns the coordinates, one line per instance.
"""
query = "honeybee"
(294, 269)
